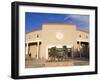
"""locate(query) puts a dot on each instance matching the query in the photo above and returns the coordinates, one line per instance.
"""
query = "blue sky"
(34, 21)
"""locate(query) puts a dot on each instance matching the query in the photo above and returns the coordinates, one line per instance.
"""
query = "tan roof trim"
(57, 24)
(82, 30)
(50, 24)
(33, 31)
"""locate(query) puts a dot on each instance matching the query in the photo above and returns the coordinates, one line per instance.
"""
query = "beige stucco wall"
(84, 35)
(48, 36)
(32, 51)
(33, 35)
(81, 35)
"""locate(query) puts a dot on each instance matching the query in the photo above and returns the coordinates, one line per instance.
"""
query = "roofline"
(82, 30)
(50, 24)
(57, 24)
(33, 31)
(41, 29)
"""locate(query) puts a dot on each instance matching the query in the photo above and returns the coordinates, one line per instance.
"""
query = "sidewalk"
(42, 63)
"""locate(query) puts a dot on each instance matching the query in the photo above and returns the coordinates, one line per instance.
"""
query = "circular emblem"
(59, 35)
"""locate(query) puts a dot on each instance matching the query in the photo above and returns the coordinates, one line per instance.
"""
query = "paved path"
(42, 63)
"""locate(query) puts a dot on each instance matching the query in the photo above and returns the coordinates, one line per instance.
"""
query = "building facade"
(39, 42)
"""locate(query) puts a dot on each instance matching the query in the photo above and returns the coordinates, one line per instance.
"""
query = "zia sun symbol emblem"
(59, 35)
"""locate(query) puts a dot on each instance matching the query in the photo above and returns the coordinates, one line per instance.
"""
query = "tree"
(65, 52)
(52, 53)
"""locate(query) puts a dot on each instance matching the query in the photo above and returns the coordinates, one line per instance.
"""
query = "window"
(37, 36)
(80, 36)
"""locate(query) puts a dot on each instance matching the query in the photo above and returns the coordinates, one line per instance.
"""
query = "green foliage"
(58, 53)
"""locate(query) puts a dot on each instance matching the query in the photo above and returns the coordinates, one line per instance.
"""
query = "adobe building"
(38, 42)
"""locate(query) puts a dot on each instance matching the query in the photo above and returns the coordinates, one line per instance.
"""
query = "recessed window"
(37, 36)
(80, 36)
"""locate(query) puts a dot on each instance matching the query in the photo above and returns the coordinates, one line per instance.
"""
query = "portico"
(35, 50)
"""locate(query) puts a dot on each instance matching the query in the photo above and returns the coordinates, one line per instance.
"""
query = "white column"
(47, 53)
(72, 52)
(26, 48)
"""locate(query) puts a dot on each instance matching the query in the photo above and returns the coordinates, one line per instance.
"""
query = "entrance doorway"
(59, 54)
(84, 49)
(33, 50)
